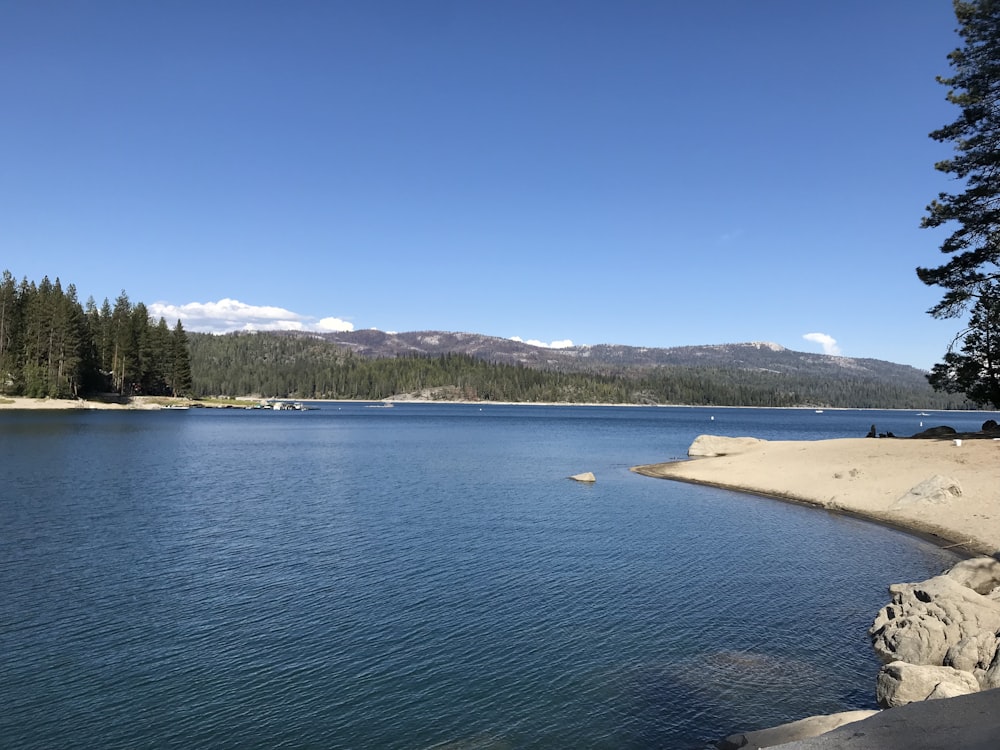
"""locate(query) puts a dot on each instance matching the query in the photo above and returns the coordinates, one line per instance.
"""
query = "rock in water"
(587, 476)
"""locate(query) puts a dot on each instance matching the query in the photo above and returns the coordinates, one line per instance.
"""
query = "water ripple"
(420, 580)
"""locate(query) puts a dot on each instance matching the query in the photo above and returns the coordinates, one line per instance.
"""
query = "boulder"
(969, 722)
(587, 476)
(899, 683)
(709, 446)
(933, 432)
(942, 622)
(981, 574)
(935, 490)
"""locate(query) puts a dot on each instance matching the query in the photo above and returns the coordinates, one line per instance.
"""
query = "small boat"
(819, 411)
(923, 414)
(176, 407)
(385, 405)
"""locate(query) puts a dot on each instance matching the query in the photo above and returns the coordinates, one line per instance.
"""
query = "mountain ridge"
(751, 355)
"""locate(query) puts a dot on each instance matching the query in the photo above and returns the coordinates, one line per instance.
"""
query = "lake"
(423, 576)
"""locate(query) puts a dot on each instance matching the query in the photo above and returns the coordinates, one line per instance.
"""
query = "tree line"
(52, 346)
(306, 367)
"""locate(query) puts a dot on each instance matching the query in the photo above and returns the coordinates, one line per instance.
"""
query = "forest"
(52, 346)
(306, 367)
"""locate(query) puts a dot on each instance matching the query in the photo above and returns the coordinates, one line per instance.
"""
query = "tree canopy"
(51, 346)
(971, 275)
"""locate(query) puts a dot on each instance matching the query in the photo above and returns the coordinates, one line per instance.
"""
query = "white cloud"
(334, 324)
(829, 343)
(563, 344)
(232, 315)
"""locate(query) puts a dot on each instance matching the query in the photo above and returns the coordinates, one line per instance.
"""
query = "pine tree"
(972, 273)
(180, 378)
(975, 369)
(9, 328)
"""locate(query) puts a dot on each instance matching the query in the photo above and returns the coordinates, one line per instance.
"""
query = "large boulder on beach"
(899, 683)
(935, 490)
(941, 431)
(710, 446)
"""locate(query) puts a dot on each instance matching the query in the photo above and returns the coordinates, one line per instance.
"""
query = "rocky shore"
(939, 639)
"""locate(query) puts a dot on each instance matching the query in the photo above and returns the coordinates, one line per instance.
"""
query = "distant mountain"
(755, 356)
(466, 366)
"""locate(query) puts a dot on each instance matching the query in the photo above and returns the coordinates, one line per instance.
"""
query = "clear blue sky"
(644, 172)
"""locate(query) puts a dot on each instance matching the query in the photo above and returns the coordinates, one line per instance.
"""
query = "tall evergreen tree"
(9, 327)
(973, 270)
(180, 361)
(123, 344)
(975, 369)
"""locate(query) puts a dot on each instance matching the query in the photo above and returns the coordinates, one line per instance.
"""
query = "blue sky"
(653, 173)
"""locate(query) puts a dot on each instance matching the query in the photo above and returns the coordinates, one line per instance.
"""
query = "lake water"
(423, 576)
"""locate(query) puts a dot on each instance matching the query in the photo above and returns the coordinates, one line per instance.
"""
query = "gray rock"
(981, 574)
(709, 446)
(969, 722)
(900, 683)
(935, 490)
(940, 431)
(795, 730)
(936, 622)
(587, 476)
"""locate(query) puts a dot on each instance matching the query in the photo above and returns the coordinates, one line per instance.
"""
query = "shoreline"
(943, 490)
(868, 478)
(158, 402)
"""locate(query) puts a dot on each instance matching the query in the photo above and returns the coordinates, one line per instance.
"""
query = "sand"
(868, 477)
(17, 402)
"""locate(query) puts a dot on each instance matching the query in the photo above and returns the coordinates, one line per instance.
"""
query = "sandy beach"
(17, 402)
(867, 477)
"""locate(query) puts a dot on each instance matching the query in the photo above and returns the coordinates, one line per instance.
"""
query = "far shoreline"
(149, 403)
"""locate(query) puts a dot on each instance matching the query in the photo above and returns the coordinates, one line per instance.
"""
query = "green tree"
(180, 363)
(973, 269)
(9, 330)
(975, 369)
(123, 345)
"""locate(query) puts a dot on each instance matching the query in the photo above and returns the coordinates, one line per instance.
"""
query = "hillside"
(435, 364)
(616, 359)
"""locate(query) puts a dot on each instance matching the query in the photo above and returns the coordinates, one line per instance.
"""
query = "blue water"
(422, 576)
